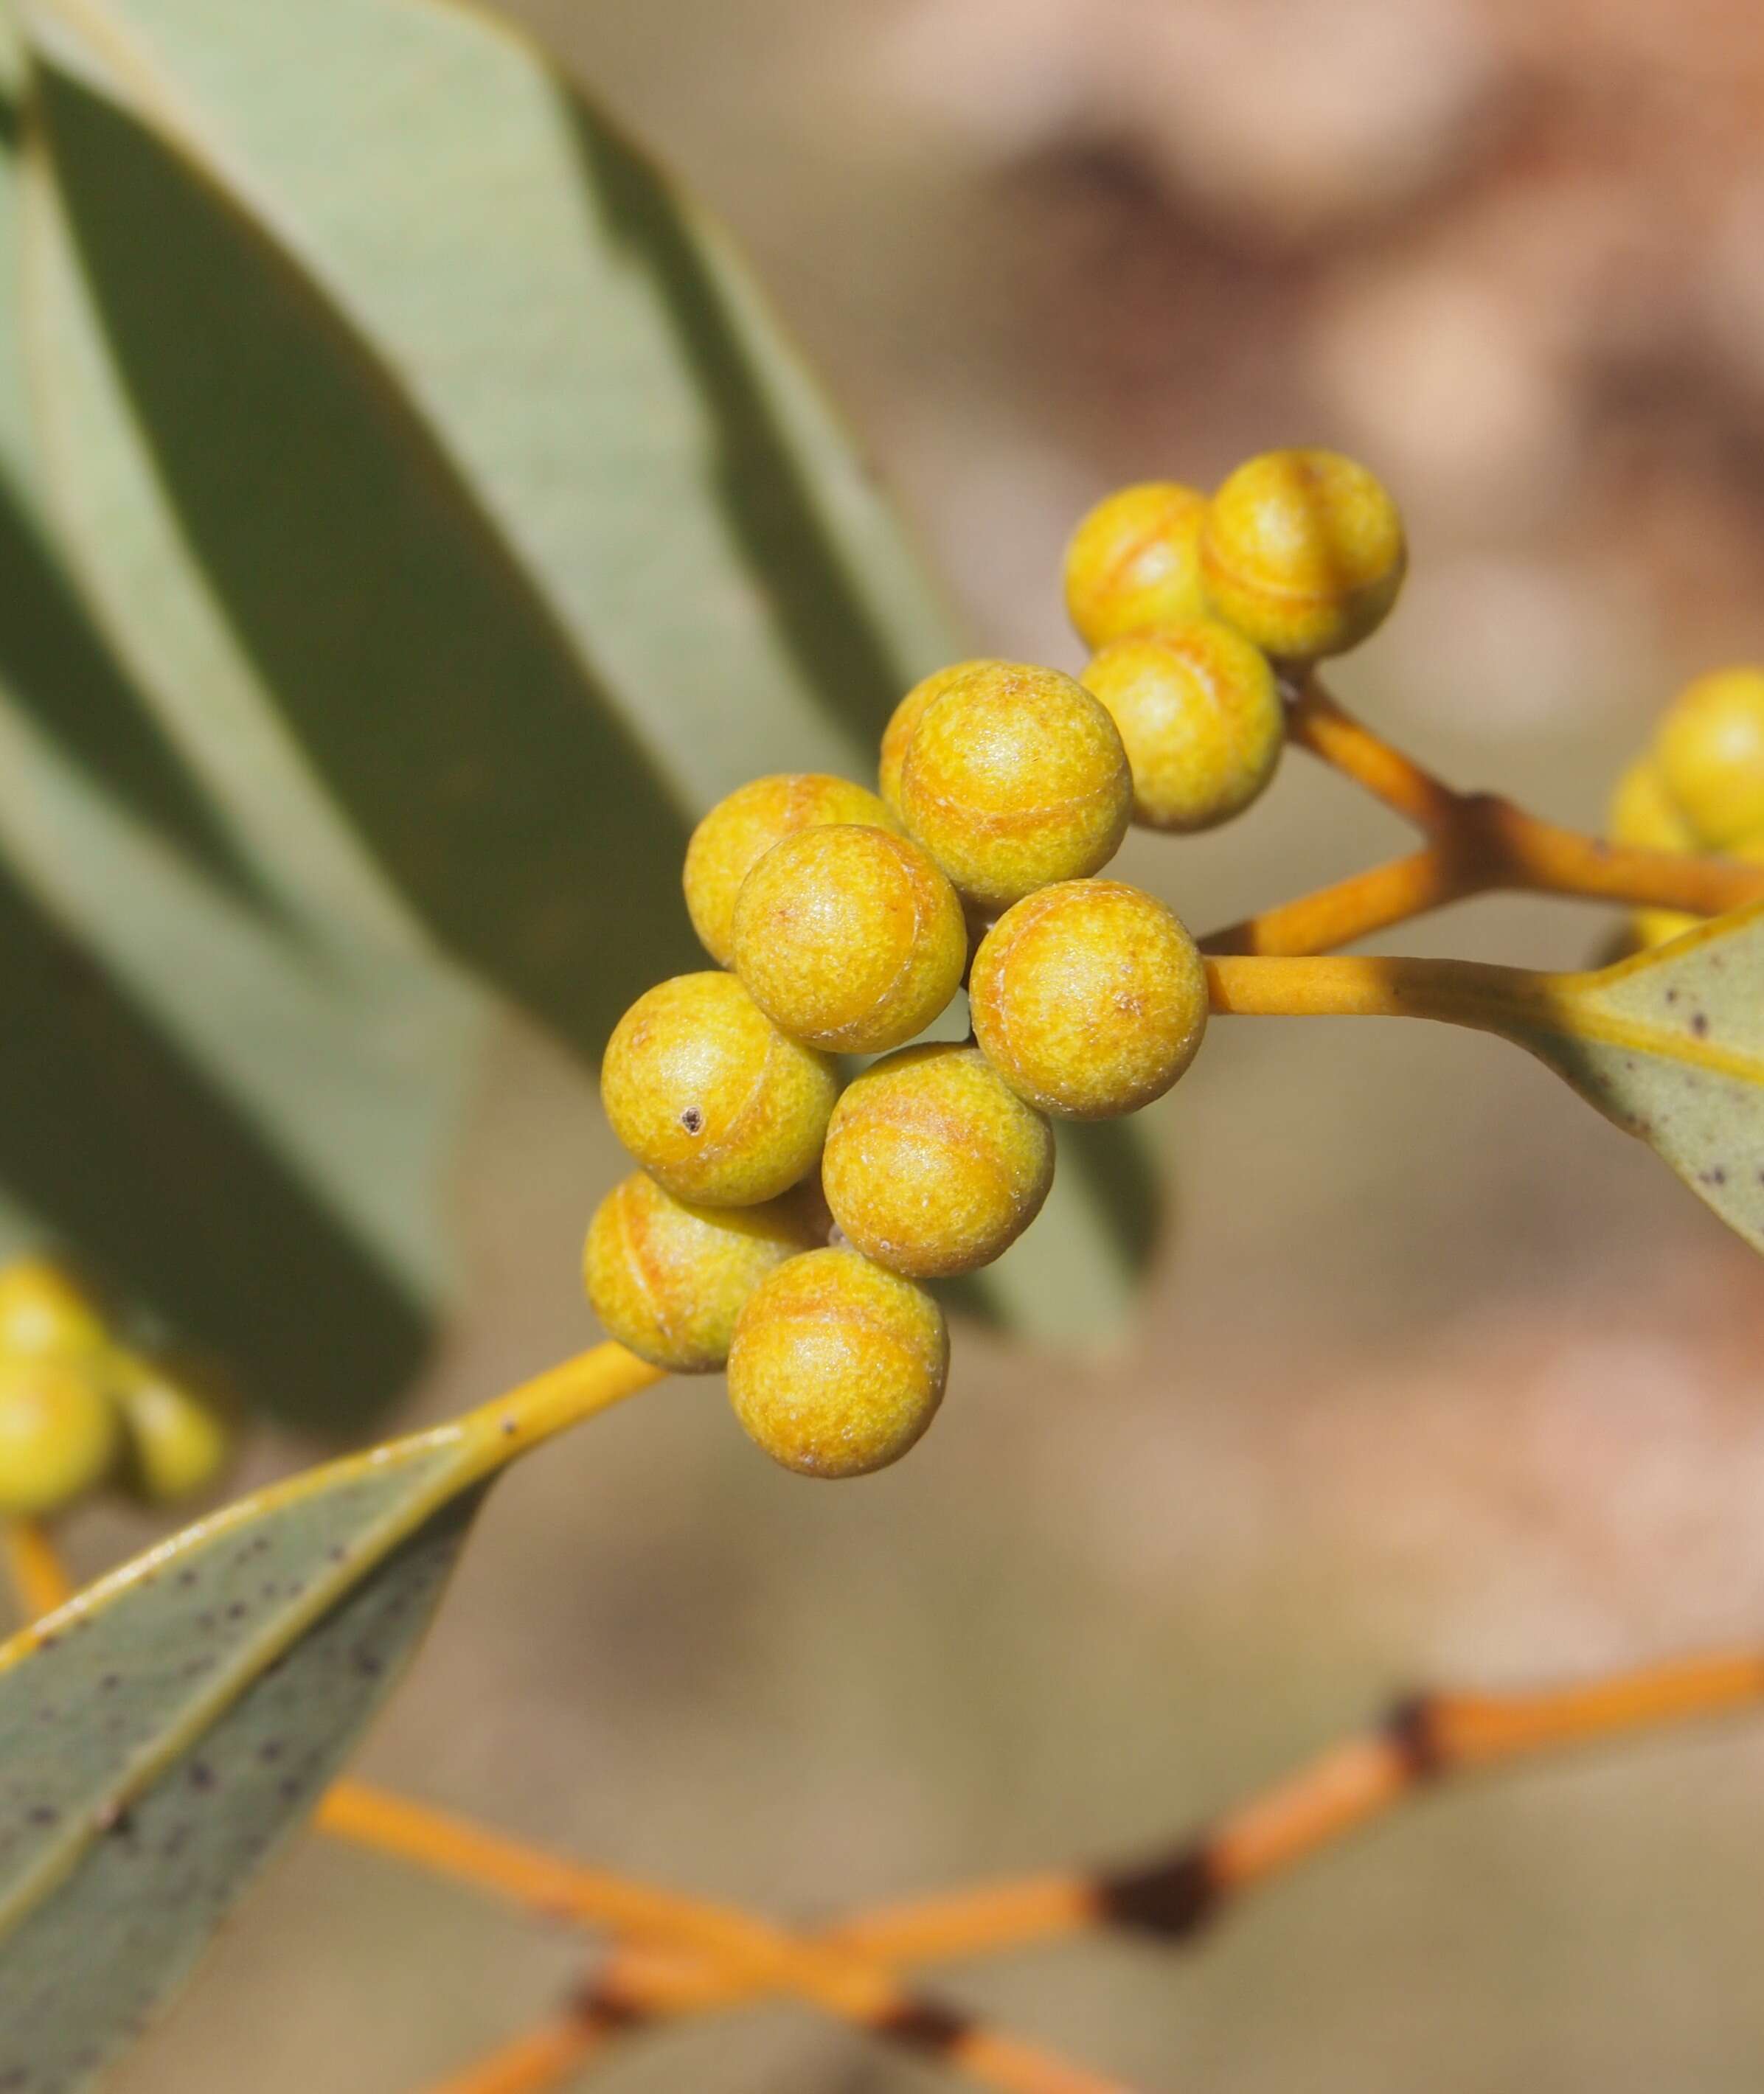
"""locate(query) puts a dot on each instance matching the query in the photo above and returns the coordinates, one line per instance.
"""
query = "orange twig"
(1315, 722)
(1478, 843)
(1344, 1787)
(534, 2063)
(765, 1958)
(39, 1579)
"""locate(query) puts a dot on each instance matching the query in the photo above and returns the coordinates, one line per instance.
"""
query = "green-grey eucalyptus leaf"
(163, 1732)
(116, 1142)
(1670, 1045)
(228, 1123)
(52, 658)
(399, 408)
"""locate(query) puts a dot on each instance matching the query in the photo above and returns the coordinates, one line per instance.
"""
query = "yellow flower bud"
(668, 1279)
(59, 1435)
(739, 831)
(934, 1166)
(1134, 562)
(1015, 776)
(1200, 713)
(906, 715)
(838, 1367)
(849, 938)
(711, 1098)
(1708, 750)
(1303, 552)
(1089, 998)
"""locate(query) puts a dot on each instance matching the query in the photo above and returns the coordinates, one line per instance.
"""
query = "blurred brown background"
(1437, 1377)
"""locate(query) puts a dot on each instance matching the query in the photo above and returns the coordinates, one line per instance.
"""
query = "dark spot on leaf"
(45, 1813)
(1700, 1023)
(202, 1775)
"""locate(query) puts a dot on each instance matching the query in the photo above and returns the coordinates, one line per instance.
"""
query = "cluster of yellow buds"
(79, 1411)
(784, 1216)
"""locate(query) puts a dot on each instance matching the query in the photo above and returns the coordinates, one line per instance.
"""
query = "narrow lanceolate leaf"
(111, 1139)
(227, 1124)
(1669, 1044)
(443, 482)
(160, 1735)
(52, 658)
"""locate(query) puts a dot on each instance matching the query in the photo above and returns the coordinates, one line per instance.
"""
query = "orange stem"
(39, 1579)
(764, 1958)
(1343, 1788)
(534, 2063)
(1478, 843)
(1315, 722)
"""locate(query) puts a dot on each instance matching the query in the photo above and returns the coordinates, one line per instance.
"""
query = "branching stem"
(1478, 843)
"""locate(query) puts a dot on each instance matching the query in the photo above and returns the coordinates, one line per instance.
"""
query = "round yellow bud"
(849, 938)
(1642, 813)
(43, 1310)
(1709, 752)
(1089, 998)
(899, 730)
(1200, 713)
(1303, 552)
(1016, 776)
(837, 1366)
(181, 1429)
(739, 831)
(1134, 562)
(668, 1280)
(933, 1164)
(59, 1435)
(710, 1098)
